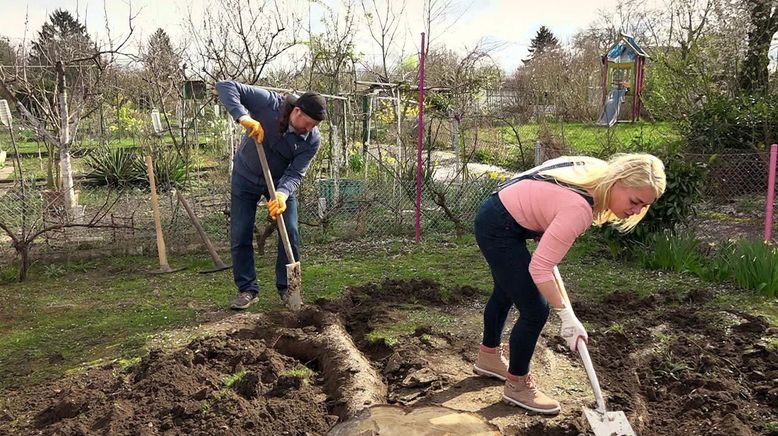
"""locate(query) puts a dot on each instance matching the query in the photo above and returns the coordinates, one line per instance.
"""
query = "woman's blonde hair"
(634, 170)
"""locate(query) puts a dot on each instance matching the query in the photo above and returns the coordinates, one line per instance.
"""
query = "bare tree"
(238, 39)
(60, 88)
(163, 75)
(439, 16)
(333, 54)
(54, 89)
(383, 19)
(34, 217)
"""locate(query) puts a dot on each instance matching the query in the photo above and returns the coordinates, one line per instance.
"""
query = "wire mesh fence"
(371, 196)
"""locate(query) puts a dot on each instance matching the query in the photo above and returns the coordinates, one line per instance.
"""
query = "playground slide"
(610, 112)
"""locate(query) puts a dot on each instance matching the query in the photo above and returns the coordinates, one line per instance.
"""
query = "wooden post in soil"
(161, 250)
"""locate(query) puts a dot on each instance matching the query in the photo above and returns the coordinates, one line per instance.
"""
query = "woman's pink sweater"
(560, 214)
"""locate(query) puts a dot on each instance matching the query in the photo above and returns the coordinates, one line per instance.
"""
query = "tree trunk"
(24, 260)
(66, 168)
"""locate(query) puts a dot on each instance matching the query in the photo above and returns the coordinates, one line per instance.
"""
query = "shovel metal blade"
(294, 286)
(608, 423)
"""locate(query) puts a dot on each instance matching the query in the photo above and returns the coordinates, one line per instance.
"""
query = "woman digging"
(554, 203)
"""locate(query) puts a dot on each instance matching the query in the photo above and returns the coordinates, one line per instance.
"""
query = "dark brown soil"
(671, 363)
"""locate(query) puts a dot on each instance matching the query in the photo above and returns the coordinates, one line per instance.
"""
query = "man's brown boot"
(524, 393)
(491, 364)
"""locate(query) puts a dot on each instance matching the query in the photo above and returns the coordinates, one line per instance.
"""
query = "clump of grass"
(233, 378)
(749, 264)
(754, 265)
(672, 252)
(302, 372)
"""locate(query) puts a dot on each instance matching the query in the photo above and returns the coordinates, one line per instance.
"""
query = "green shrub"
(116, 167)
(484, 156)
(356, 162)
(743, 122)
(673, 209)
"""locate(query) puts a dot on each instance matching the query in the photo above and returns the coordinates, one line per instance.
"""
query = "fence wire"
(375, 198)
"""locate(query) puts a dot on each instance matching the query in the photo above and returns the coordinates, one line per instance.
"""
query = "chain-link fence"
(373, 195)
(734, 195)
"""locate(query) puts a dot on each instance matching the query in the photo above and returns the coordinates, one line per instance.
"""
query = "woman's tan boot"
(524, 393)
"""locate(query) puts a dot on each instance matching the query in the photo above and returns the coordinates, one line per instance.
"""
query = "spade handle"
(583, 351)
(272, 190)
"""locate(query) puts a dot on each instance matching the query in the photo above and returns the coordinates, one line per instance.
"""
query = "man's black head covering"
(311, 103)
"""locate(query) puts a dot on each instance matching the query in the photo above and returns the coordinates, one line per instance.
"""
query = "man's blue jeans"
(503, 243)
(243, 210)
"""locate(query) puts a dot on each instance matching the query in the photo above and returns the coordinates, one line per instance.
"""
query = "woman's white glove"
(572, 329)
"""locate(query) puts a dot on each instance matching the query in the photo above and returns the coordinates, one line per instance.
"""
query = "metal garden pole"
(768, 216)
(421, 140)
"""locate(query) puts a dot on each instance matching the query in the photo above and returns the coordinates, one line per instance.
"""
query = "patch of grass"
(391, 332)
(581, 138)
(721, 216)
(663, 338)
(615, 328)
(108, 308)
(302, 372)
(233, 378)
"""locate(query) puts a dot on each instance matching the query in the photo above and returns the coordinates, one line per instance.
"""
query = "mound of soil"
(683, 368)
(673, 363)
(213, 386)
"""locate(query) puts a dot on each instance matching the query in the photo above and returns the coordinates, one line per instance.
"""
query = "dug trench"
(673, 363)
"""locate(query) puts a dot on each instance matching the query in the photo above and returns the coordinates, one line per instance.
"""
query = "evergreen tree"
(7, 52)
(160, 58)
(162, 69)
(543, 42)
(62, 38)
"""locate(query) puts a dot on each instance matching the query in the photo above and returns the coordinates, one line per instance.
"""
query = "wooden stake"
(161, 250)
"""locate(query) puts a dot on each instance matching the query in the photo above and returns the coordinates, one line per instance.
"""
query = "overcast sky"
(511, 22)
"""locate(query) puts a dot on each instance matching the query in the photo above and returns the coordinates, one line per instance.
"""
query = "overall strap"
(535, 175)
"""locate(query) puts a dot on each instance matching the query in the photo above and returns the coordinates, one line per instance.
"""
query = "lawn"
(498, 145)
(74, 314)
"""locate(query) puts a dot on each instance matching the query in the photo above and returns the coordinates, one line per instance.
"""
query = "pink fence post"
(421, 137)
(768, 212)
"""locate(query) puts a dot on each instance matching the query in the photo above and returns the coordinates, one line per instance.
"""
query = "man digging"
(286, 129)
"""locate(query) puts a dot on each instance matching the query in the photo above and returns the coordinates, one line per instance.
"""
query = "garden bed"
(673, 363)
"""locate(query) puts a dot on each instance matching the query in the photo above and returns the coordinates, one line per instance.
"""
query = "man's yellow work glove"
(278, 206)
(253, 128)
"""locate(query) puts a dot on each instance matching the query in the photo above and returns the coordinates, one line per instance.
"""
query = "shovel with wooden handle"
(293, 271)
(218, 265)
(603, 423)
